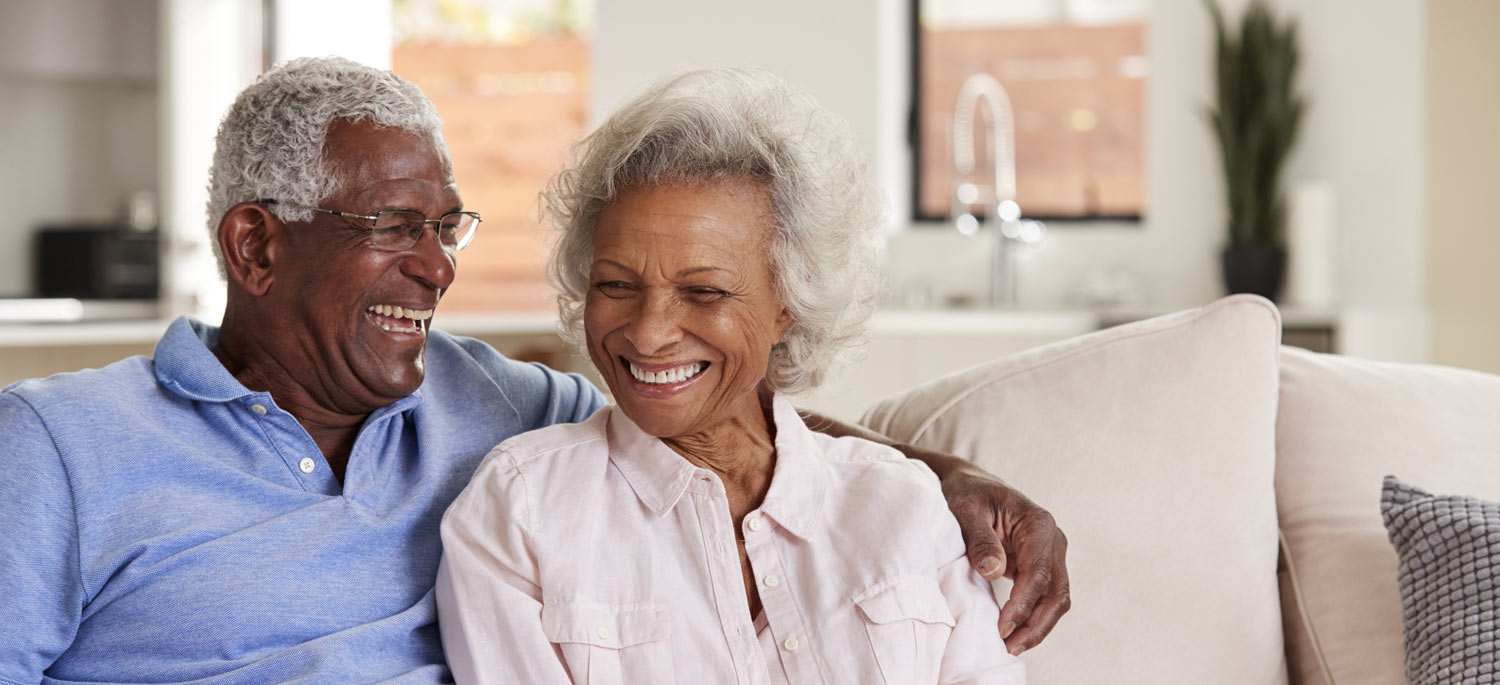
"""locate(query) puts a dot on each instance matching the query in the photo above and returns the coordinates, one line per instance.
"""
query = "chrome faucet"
(1006, 215)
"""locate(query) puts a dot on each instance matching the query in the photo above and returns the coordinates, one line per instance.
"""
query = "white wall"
(1463, 148)
(1363, 69)
(849, 53)
(360, 30)
(210, 50)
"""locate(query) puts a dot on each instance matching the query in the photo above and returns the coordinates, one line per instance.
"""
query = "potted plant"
(1255, 118)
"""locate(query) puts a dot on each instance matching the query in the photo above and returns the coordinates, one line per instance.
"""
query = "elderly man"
(260, 502)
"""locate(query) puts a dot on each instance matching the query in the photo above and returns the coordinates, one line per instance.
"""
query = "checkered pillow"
(1449, 549)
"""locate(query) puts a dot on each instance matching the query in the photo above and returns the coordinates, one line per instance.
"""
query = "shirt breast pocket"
(908, 623)
(604, 644)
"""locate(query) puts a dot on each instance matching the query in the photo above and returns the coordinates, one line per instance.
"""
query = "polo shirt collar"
(186, 365)
(660, 476)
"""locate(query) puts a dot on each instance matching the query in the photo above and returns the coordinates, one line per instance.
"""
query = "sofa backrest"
(1343, 425)
(1153, 445)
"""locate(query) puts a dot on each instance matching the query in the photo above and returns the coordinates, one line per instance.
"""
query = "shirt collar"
(186, 365)
(800, 481)
(660, 476)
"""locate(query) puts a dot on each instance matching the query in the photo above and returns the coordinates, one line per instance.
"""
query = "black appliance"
(96, 262)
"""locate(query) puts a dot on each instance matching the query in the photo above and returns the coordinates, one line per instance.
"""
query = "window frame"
(914, 143)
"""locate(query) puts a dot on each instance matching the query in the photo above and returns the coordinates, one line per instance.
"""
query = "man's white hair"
(270, 144)
(723, 124)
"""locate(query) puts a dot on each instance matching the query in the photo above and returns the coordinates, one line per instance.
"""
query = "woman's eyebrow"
(700, 269)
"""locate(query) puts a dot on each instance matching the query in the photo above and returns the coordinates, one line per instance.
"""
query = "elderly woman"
(716, 253)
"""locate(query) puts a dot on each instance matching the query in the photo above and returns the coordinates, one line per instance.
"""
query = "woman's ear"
(247, 234)
(783, 323)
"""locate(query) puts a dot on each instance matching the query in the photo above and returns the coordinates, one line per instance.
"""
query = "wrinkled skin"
(297, 323)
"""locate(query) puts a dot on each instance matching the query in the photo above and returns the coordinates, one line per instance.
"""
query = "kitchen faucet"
(1006, 215)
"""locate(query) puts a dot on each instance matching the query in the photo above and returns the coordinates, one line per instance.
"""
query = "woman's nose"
(655, 325)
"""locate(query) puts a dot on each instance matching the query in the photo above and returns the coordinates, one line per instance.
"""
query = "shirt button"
(772, 580)
(258, 408)
(754, 524)
(603, 633)
(306, 465)
(791, 644)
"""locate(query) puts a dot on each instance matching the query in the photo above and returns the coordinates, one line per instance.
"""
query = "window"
(1074, 72)
(511, 81)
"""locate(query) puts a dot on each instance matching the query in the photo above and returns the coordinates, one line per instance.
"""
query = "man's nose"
(431, 262)
(655, 324)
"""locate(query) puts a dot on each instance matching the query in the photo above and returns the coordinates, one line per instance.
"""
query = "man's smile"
(397, 319)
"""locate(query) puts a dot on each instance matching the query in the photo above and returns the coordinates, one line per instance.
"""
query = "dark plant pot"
(1255, 269)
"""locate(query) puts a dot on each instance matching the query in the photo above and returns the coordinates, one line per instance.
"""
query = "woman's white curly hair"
(721, 124)
(270, 144)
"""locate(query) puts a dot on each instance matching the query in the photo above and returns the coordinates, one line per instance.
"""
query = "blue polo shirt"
(159, 522)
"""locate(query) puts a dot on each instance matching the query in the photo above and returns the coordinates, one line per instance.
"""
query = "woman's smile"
(663, 380)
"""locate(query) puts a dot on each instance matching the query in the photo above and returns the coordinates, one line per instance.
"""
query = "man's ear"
(248, 234)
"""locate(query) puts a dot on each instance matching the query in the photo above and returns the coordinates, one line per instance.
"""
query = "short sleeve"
(41, 590)
(577, 398)
(540, 396)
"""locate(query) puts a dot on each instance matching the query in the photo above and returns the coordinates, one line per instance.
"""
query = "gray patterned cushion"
(1449, 549)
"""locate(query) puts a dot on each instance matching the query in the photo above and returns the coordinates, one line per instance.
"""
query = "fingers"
(1025, 594)
(986, 555)
(1040, 624)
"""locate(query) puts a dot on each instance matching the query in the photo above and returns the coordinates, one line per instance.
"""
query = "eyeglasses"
(398, 230)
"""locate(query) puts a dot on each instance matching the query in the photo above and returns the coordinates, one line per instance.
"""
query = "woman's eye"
(706, 294)
(612, 288)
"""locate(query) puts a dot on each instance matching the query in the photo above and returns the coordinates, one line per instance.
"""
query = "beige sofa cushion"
(1152, 443)
(1344, 425)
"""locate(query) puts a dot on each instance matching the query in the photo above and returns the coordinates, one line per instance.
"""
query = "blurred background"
(1050, 166)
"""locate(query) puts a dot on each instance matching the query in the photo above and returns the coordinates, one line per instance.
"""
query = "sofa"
(1221, 493)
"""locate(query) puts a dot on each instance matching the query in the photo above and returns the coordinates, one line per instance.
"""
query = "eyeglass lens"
(397, 229)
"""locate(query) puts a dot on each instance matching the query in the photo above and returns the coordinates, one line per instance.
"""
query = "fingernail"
(1016, 650)
(988, 565)
(1007, 629)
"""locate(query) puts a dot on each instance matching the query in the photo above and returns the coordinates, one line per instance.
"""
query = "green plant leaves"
(1255, 117)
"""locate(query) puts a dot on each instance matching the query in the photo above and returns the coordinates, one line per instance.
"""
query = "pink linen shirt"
(593, 553)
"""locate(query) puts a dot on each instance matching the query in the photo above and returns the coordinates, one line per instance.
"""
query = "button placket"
(724, 569)
(782, 614)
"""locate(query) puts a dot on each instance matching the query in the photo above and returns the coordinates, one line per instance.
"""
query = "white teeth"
(398, 312)
(676, 375)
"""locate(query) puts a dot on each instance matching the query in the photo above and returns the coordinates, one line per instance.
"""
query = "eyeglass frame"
(376, 218)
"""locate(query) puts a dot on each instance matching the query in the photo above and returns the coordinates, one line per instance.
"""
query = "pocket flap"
(580, 619)
(905, 598)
